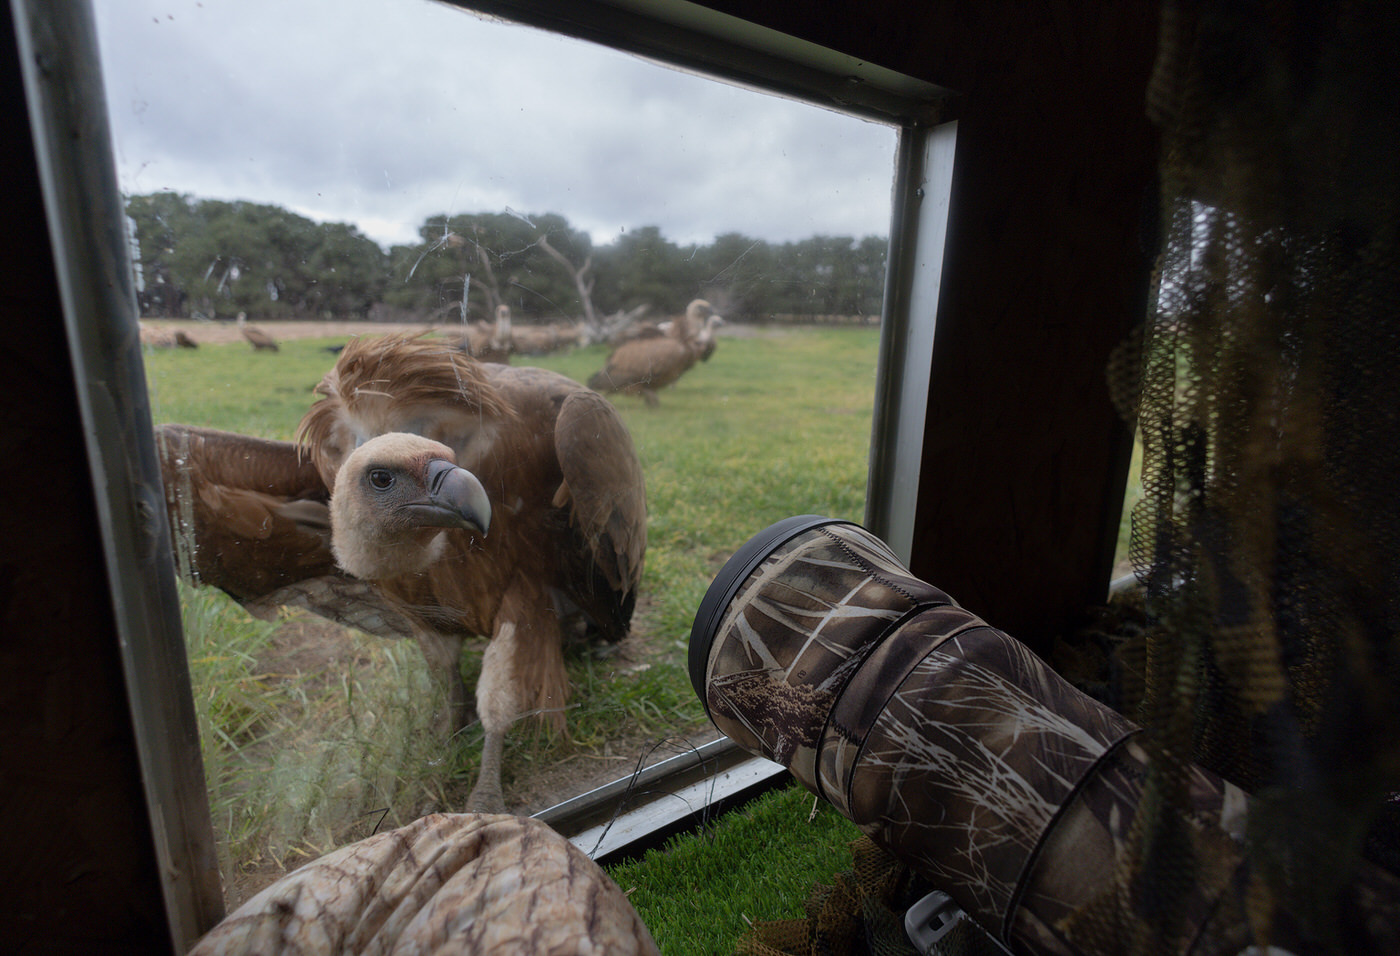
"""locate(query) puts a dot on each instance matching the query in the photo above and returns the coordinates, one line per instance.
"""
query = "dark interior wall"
(77, 871)
(1024, 458)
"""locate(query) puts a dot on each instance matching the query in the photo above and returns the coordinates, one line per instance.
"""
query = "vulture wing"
(604, 488)
(250, 517)
(343, 599)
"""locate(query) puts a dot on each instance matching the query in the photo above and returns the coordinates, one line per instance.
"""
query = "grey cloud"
(382, 113)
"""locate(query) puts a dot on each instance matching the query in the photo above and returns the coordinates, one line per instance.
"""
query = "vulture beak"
(455, 499)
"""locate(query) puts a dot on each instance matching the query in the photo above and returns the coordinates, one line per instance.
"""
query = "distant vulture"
(165, 338)
(433, 496)
(643, 365)
(490, 343)
(260, 340)
(642, 330)
(570, 335)
(706, 339)
(544, 339)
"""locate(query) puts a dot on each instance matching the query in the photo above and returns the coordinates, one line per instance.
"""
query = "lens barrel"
(960, 751)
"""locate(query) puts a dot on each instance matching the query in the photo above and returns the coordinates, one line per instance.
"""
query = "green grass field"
(303, 755)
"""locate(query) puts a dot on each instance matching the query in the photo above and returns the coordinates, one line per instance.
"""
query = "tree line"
(214, 258)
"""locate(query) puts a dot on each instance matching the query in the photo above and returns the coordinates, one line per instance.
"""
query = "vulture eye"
(381, 478)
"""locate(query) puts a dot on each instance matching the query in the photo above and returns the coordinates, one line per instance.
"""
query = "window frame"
(86, 223)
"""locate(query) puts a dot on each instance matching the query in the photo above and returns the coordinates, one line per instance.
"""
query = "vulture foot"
(486, 795)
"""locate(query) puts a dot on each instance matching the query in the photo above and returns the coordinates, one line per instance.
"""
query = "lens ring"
(726, 584)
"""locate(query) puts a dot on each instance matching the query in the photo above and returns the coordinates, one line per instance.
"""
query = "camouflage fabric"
(459, 884)
(834, 596)
(1264, 390)
(957, 749)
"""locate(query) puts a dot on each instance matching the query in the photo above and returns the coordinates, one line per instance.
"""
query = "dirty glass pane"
(301, 175)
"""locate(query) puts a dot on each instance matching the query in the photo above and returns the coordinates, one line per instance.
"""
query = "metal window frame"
(85, 219)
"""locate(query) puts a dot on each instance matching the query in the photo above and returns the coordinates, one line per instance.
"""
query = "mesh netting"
(1268, 407)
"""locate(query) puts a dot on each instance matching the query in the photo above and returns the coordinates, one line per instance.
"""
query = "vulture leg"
(444, 655)
(498, 702)
(522, 672)
(486, 796)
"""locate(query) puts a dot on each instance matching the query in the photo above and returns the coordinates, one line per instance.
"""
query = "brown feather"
(246, 514)
(398, 383)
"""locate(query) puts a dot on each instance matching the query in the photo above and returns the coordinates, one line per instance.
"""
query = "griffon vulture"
(159, 338)
(642, 330)
(545, 339)
(257, 338)
(706, 340)
(434, 496)
(643, 365)
(490, 343)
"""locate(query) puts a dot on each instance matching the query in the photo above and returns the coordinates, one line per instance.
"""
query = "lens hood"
(723, 588)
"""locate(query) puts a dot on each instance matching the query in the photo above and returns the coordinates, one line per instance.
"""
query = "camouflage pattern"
(965, 761)
(450, 884)
(956, 748)
(795, 631)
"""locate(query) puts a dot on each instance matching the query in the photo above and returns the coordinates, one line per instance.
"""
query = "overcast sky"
(385, 112)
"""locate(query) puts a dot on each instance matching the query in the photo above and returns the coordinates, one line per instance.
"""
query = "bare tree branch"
(584, 286)
(493, 290)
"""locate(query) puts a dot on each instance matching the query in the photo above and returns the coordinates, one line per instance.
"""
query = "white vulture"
(643, 365)
(257, 338)
(434, 496)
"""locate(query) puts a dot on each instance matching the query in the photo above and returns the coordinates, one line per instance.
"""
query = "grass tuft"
(698, 894)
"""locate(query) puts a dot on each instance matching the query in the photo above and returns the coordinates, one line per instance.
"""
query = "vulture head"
(699, 310)
(395, 498)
